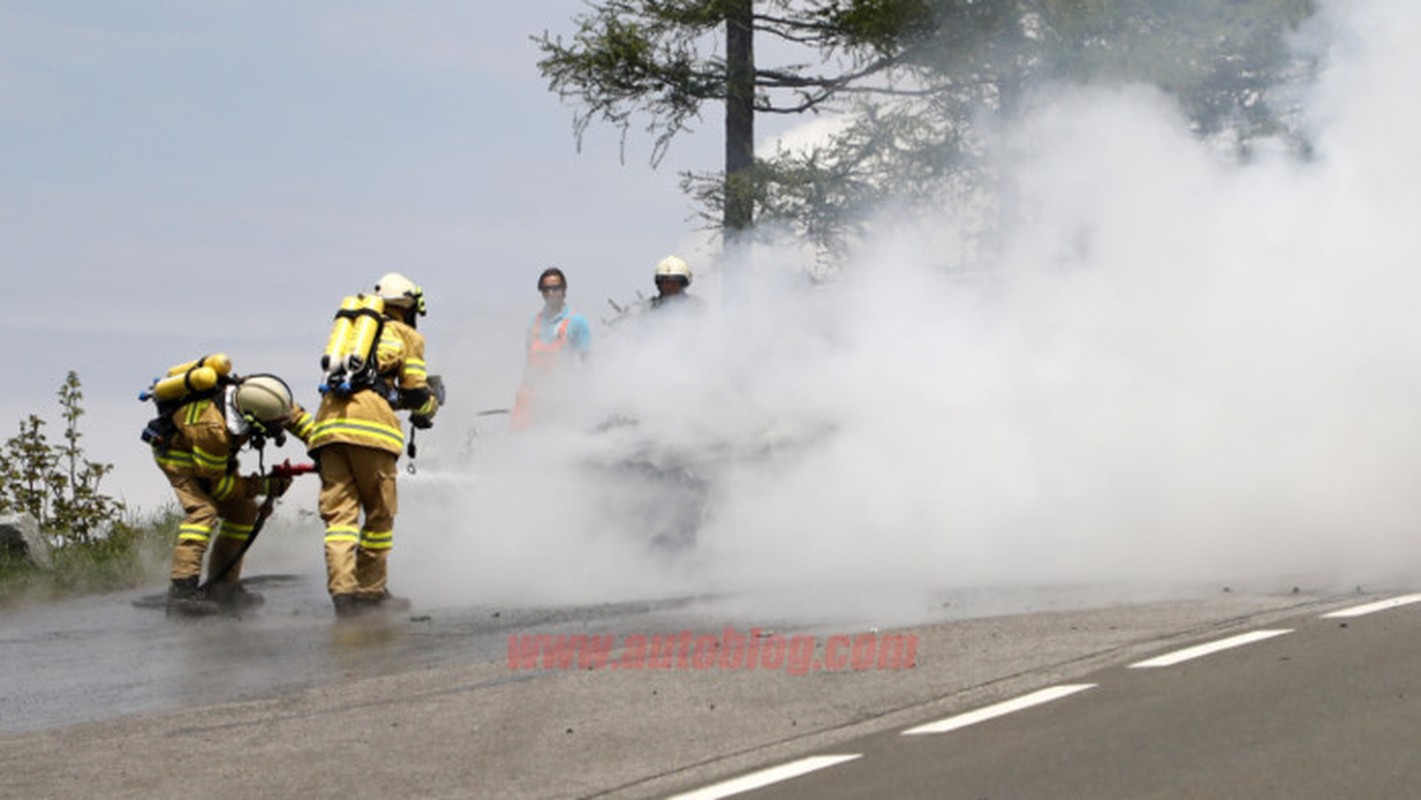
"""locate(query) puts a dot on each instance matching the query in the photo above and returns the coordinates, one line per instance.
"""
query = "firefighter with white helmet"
(195, 443)
(673, 277)
(357, 440)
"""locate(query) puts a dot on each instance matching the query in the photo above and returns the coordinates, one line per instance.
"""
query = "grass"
(135, 553)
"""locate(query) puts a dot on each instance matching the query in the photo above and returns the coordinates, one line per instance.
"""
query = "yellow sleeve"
(414, 374)
(301, 423)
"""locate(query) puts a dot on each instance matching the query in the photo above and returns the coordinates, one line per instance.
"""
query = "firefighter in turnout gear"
(673, 277)
(357, 440)
(196, 447)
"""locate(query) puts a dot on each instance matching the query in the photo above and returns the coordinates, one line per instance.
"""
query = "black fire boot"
(384, 601)
(234, 596)
(186, 598)
(347, 605)
(184, 589)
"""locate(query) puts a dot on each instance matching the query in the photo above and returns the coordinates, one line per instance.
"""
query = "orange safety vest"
(542, 357)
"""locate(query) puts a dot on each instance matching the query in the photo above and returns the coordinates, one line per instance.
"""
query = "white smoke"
(1181, 369)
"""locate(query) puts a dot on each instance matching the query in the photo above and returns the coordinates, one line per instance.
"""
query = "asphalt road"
(1308, 707)
(102, 699)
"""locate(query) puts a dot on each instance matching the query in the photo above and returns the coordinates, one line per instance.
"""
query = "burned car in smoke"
(665, 487)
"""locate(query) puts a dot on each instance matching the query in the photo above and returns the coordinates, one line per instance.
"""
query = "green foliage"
(883, 25)
(131, 555)
(55, 483)
(826, 193)
(135, 552)
(657, 58)
(918, 79)
(97, 545)
(28, 460)
(1222, 60)
(635, 56)
(1219, 58)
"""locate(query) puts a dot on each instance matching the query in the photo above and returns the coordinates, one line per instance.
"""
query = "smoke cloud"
(1179, 369)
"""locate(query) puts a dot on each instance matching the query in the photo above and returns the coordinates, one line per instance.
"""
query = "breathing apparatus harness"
(189, 382)
(349, 362)
(207, 378)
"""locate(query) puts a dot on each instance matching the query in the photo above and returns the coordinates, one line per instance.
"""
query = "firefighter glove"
(421, 421)
(274, 485)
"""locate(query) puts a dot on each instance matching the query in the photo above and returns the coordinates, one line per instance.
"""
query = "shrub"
(96, 545)
(56, 484)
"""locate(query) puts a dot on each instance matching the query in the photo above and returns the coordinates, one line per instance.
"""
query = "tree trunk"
(739, 118)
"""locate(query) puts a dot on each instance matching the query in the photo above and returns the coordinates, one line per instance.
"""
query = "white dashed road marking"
(1380, 605)
(765, 777)
(981, 714)
(1170, 659)
(794, 769)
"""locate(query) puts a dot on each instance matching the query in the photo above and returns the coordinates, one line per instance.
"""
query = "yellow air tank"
(219, 362)
(363, 332)
(174, 387)
(340, 333)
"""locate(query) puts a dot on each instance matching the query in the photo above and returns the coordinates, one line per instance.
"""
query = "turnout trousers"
(232, 521)
(356, 479)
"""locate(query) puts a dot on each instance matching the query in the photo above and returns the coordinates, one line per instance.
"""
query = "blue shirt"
(579, 334)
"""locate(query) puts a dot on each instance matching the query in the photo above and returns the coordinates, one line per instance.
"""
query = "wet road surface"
(100, 657)
(434, 709)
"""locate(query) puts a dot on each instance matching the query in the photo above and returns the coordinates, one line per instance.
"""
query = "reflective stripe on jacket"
(200, 444)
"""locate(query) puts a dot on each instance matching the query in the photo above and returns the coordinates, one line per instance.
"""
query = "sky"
(1181, 368)
(182, 178)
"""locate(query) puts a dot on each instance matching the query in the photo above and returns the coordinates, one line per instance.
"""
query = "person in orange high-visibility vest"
(555, 336)
(356, 442)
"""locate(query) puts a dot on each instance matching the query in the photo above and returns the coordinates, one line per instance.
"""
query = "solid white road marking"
(1380, 605)
(1170, 659)
(1007, 707)
(765, 777)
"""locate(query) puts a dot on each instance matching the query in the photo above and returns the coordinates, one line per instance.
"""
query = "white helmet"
(671, 266)
(264, 398)
(397, 290)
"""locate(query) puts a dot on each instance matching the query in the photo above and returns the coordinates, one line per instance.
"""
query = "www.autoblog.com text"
(798, 654)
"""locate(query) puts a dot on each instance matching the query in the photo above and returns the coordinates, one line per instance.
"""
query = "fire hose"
(284, 471)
